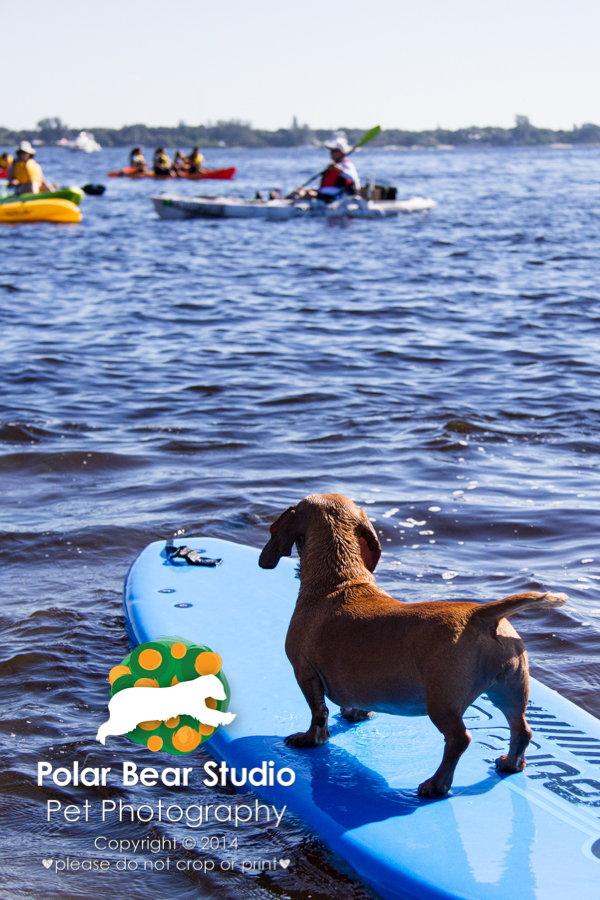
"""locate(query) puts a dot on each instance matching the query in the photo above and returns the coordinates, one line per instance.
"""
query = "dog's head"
(295, 524)
(206, 686)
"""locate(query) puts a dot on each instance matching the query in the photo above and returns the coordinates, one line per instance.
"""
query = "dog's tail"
(491, 613)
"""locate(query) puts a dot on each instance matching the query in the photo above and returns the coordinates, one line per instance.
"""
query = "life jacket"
(6, 160)
(336, 182)
(162, 161)
(28, 171)
(333, 178)
(137, 159)
(196, 160)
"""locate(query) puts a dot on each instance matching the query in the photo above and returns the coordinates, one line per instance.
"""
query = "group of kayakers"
(339, 178)
(164, 167)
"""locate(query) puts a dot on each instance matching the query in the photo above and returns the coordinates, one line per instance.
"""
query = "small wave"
(206, 390)
(460, 426)
(22, 432)
(337, 438)
(201, 446)
(46, 463)
(292, 399)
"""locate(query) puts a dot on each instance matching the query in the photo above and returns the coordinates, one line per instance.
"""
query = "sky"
(411, 64)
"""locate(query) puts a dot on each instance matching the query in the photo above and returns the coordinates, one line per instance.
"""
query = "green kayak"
(74, 194)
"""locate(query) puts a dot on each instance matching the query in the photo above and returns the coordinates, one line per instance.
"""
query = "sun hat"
(340, 143)
(26, 147)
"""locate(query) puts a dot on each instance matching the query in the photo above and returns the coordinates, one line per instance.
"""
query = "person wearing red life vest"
(340, 177)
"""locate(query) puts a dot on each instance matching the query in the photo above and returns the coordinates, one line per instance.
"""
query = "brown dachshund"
(350, 641)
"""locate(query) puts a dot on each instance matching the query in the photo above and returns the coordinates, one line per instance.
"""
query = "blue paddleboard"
(531, 836)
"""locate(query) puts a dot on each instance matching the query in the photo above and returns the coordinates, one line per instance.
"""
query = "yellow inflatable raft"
(51, 210)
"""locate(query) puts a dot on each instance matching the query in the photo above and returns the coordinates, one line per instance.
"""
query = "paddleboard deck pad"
(533, 836)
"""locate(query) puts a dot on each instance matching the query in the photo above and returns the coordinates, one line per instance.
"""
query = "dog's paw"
(505, 764)
(430, 789)
(300, 739)
(355, 715)
(311, 738)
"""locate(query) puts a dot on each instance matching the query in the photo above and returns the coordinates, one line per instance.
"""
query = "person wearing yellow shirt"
(136, 160)
(194, 161)
(24, 174)
(163, 167)
(6, 160)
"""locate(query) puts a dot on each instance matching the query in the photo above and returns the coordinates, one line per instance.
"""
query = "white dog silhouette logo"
(168, 694)
(134, 705)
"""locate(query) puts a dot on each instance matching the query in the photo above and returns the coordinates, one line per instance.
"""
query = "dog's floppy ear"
(370, 548)
(285, 531)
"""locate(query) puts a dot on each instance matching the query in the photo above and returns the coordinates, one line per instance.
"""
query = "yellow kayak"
(51, 210)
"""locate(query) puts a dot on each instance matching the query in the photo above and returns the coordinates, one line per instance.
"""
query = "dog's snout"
(286, 531)
(269, 557)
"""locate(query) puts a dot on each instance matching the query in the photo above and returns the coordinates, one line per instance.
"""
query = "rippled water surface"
(440, 369)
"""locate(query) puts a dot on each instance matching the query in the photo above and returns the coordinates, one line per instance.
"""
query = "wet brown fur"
(351, 642)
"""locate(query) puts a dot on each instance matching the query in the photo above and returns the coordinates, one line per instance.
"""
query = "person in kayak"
(180, 164)
(163, 167)
(25, 174)
(6, 160)
(136, 160)
(340, 177)
(194, 161)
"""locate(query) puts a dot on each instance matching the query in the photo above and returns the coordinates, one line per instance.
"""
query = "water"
(439, 369)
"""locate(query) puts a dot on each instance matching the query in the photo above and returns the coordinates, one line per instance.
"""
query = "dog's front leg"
(312, 688)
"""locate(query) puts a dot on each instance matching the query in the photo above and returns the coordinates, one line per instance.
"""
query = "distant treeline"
(241, 134)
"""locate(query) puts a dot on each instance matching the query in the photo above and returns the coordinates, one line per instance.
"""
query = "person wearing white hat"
(340, 177)
(25, 174)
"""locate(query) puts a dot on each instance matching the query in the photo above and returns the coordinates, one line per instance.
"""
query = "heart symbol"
(47, 863)
(284, 863)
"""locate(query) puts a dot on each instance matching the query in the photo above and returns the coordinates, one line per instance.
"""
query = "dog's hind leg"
(510, 695)
(457, 740)
(355, 715)
(312, 688)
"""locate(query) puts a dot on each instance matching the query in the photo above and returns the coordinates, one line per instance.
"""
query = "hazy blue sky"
(401, 63)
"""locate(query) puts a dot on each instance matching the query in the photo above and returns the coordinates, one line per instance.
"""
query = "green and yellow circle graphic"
(164, 663)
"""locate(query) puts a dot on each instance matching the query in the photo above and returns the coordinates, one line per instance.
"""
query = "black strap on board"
(188, 556)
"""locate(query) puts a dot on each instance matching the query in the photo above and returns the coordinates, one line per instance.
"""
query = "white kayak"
(169, 206)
